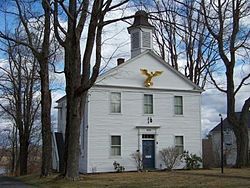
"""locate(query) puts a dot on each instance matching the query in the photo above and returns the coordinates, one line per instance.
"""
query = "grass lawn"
(193, 178)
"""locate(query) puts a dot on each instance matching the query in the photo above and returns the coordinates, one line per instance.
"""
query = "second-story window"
(148, 104)
(115, 102)
(178, 105)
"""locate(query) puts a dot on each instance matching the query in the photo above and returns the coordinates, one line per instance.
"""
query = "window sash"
(179, 144)
(115, 102)
(178, 105)
(180, 149)
(116, 150)
(148, 104)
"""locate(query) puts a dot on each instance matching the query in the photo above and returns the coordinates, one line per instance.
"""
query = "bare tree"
(79, 77)
(37, 26)
(137, 156)
(19, 87)
(6, 148)
(182, 37)
(166, 31)
(225, 21)
(170, 156)
(199, 46)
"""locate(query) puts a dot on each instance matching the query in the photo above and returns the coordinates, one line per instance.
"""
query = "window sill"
(148, 114)
(115, 157)
(178, 115)
(116, 114)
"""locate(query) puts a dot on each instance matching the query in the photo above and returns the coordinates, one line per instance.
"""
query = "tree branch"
(241, 83)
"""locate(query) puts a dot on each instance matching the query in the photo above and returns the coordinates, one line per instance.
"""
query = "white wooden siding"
(102, 125)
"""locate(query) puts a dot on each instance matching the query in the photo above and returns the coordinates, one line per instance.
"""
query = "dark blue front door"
(148, 154)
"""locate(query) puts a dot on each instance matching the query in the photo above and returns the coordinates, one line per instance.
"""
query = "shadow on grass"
(224, 175)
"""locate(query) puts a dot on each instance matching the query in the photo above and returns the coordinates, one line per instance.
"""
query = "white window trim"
(110, 108)
(152, 104)
(110, 146)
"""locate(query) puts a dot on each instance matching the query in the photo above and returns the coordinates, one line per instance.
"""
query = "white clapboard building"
(142, 105)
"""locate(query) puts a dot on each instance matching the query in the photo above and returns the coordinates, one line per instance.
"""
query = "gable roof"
(159, 59)
(226, 124)
(150, 52)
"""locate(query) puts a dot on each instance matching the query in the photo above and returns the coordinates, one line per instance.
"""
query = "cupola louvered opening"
(135, 40)
(146, 39)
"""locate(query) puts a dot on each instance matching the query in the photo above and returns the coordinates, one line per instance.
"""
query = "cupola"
(140, 34)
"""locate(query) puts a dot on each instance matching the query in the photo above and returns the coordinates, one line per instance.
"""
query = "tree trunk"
(23, 156)
(242, 138)
(73, 150)
(242, 147)
(239, 124)
(46, 94)
(74, 108)
(13, 158)
(46, 120)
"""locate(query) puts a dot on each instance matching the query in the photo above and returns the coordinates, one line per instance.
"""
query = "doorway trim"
(148, 129)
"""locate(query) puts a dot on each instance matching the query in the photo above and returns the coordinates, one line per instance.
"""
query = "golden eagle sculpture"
(148, 82)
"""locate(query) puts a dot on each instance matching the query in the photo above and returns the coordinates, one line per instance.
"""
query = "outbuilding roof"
(226, 124)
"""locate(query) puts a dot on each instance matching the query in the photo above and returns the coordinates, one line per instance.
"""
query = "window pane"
(148, 104)
(178, 100)
(179, 149)
(115, 97)
(116, 150)
(179, 140)
(115, 140)
(115, 102)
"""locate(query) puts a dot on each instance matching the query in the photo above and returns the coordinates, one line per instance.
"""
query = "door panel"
(148, 154)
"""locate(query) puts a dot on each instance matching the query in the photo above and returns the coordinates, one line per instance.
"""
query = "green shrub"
(192, 160)
(118, 167)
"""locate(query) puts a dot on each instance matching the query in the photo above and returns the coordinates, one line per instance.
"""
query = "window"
(115, 102)
(148, 104)
(178, 105)
(228, 137)
(179, 144)
(148, 136)
(116, 145)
